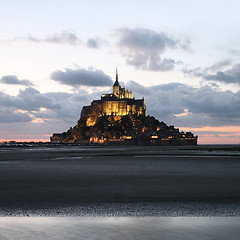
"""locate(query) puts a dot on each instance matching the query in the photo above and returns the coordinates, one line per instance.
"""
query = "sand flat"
(37, 179)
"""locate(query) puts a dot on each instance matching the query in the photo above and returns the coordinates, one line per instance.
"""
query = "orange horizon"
(201, 140)
(25, 140)
(206, 135)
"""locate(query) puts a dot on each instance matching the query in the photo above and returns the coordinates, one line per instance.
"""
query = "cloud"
(146, 39)
(234, 52)
(13, 80)
(70, 38)
(138, 88)
(53, 108)
(95, 43)
(31, 99)
(57, 96)
(185, 106)
(166, 64)
(186, 45)
(30, 105)
(215, 73)
(8, 116)
(218, 66)
(231, 75)
(143, 48)
(174, 103)
(92, 43)
(82, 77)
(28, 99)
(63, 37)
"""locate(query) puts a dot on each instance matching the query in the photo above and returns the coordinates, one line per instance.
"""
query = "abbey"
(119, 118)
(118, 103)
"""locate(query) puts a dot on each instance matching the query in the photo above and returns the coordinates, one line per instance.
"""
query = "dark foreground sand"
(72, 182)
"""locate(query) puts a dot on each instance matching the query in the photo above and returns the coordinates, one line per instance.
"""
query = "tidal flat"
(108, 228)
(120, 181)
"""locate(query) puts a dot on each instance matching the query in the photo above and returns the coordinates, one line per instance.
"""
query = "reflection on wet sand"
(119, 228)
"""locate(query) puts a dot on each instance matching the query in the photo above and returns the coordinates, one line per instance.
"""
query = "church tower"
(116, 86)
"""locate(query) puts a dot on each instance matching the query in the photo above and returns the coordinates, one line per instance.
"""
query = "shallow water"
(119, 228)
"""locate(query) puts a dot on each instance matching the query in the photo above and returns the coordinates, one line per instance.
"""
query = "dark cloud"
(174, 103)
(31, 99)
(185, 106)
(221, 77)
(213, 103)
(82, 77)
(143, 48)
(30, 104)
(57, 96)
(12, 79)
(28, 99)
(71, 105)
(7, 116)
(213, 73)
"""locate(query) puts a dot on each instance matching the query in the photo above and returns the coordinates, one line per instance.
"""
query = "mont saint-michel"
(119, 118)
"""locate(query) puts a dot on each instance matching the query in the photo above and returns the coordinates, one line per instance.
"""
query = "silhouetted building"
(57, 138)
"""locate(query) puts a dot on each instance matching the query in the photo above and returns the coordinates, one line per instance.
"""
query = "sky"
(57, 56)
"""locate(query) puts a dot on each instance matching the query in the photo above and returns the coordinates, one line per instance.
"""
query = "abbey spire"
(116, 82)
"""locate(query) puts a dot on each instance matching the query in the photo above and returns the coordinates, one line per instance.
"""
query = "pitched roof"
(116, 83)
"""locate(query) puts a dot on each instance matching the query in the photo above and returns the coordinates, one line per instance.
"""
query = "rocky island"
(119, 118)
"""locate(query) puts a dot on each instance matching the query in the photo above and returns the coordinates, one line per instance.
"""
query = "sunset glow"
(182, 57)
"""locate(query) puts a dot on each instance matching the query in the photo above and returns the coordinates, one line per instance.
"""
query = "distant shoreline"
(131, 150)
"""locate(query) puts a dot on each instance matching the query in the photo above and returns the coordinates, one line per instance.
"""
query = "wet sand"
(117, 228)
(68, 181)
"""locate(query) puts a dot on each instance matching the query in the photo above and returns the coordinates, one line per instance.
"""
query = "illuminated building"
(119, 118)
(118, 103)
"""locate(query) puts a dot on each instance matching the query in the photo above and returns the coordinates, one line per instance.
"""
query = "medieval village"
(119, 118)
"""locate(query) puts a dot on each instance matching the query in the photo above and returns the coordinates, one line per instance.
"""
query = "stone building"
(118, 103)
(119, 118)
